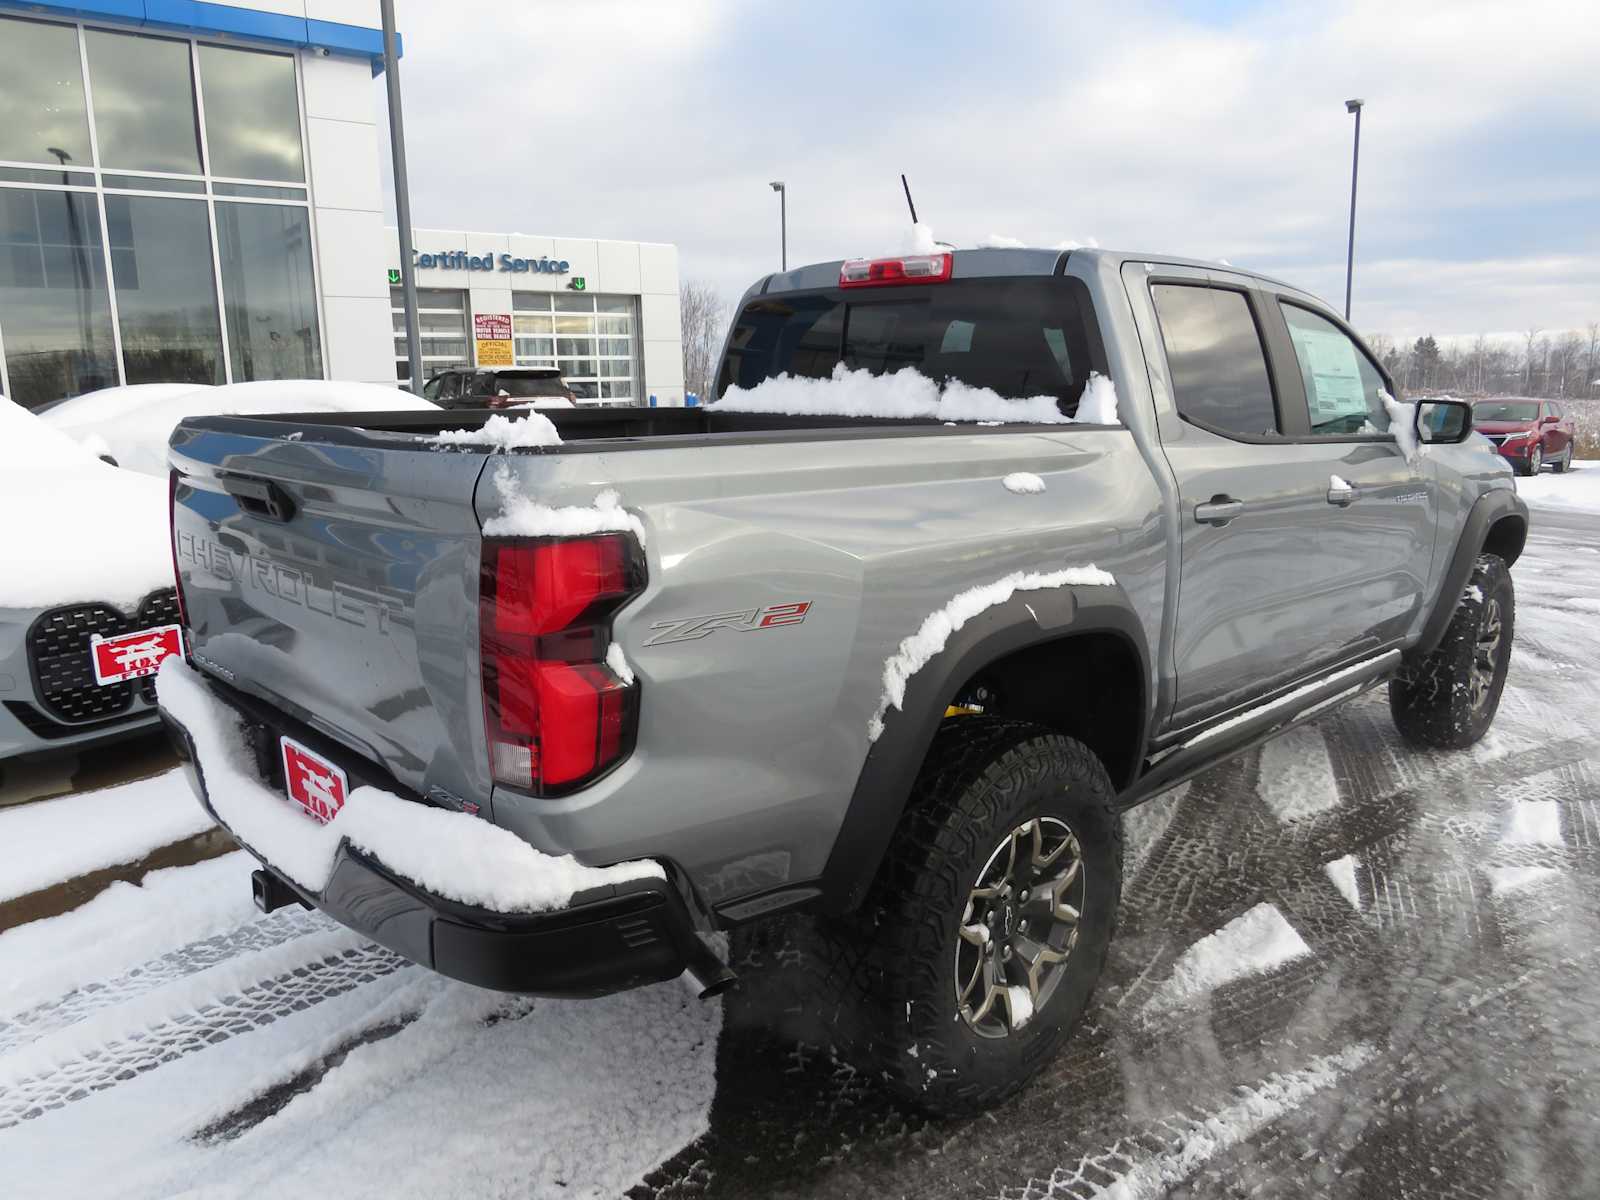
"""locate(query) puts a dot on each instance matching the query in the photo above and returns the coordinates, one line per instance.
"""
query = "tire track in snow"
(234, 998)
(80, 1003)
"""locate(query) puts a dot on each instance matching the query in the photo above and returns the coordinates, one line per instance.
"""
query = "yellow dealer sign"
(492, 332)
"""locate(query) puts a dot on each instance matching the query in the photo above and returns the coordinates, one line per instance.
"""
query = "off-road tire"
(891, 967)
(1433, 701)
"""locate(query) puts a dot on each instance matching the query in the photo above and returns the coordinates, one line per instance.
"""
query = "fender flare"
(1490, 508)
(883, 786)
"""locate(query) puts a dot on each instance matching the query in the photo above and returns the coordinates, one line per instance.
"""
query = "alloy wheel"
(1486, 653)
(1535, 461)
(1019, 927)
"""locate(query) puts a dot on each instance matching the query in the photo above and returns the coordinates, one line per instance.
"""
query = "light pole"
(1352, 106)
(783, 221)
(402, 195)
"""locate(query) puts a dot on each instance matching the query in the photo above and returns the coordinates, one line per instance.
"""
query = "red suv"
(1528, 432)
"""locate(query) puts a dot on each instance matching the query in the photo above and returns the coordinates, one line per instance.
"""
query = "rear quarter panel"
(750, 742)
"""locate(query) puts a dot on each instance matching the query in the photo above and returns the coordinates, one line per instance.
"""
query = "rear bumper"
(607, 939)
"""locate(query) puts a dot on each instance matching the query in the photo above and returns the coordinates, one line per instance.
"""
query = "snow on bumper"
(445, 889)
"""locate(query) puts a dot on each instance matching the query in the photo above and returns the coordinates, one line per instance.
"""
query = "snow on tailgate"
(453, 855)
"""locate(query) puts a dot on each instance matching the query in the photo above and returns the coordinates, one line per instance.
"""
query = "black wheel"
(986, 932)
(1448, 700)
(1563, 464)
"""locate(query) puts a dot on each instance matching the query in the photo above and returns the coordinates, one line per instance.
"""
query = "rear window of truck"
(1017, 337)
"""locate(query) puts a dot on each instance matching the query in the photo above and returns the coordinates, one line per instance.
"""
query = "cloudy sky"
(1215, 130)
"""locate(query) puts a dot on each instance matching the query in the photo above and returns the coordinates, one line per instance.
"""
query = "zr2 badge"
(749, 620)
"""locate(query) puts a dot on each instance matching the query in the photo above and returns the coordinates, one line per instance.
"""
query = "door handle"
(1219, 510)
(1343, 496)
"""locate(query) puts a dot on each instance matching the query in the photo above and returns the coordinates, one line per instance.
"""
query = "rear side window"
(1342, 385)
(1219, 372)
(1017, 337)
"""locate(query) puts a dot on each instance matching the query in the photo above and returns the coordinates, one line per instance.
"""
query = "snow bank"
(56, 840)
(1255, 941)
(1023, 483)
(454, 855)
(75, 529)
(1576, 491)
(133, 424)
(123, 927)
(504, 433)
(907, 393)
(918, 649)
(522, 516)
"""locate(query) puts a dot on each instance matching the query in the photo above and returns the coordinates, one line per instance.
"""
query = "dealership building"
(191, 191)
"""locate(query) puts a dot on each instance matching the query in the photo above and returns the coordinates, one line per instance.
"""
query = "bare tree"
(703, 310)
(1530, 356)
(1591, 361)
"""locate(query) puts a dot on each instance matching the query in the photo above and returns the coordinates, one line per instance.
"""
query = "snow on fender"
(453, 855)
(917, 650)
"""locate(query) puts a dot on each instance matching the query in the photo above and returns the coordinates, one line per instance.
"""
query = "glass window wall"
(166, 289)
(88, 268)
(144, 113)
(441, 332)
(252, 114)
(268, 295)
(42, 115)
(55, 315)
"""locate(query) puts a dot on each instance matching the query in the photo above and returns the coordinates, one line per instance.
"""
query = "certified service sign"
(492, 332)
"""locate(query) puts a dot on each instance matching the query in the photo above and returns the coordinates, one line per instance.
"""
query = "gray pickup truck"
(901, 674)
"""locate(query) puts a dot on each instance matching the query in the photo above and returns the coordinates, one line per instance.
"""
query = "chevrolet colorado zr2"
(566, 695)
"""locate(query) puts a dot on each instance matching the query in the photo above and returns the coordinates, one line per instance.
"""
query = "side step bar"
(1256, 725)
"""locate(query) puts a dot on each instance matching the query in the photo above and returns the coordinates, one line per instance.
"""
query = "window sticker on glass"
(957, 338)
(1330, 360)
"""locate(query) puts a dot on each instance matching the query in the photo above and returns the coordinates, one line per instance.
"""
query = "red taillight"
(555, 714)
(887, 272)
(172, 541)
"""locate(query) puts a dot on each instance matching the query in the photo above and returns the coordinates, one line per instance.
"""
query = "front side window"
(1219, 372)
(166, 291)
(42, 114)
(144, 114)
(54, 308)
(1343, 388)
(267, 292)
(252, 114)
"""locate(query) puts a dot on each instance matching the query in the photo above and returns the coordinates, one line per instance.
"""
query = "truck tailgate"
(339, 583)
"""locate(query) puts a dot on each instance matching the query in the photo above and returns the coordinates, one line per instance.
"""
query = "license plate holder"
(318, 786)
(133, 655)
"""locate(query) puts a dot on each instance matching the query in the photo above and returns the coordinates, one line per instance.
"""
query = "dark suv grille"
(58, 653)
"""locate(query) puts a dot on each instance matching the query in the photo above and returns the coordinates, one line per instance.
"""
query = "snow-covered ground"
(1576, 490)
(1345, 969)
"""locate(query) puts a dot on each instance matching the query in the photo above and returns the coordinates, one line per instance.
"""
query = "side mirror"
(1443, 422)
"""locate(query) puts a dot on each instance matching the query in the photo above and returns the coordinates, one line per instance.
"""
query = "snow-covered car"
(87, 607)
(84, 560)
(131, 425)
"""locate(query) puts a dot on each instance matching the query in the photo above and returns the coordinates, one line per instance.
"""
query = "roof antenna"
(909, 203)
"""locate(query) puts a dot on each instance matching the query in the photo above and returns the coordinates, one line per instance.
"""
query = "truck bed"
(588, 429)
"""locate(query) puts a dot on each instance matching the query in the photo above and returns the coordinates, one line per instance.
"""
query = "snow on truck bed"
(908, 393)
(459, 857)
